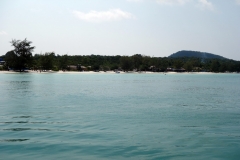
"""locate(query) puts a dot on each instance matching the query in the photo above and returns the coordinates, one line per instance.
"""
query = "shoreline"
(109, 72)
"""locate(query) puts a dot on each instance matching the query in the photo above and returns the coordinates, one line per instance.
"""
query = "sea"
(182, 116)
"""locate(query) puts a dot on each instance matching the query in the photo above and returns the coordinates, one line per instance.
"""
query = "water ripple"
(13, 140)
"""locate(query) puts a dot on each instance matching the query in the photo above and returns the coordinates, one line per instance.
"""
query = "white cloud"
(171, 2)
(205, 4)
(238, 2)
(110, 15)
(202, 4)
(3, 33)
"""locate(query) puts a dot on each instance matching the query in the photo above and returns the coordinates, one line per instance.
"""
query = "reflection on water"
(23, 117)
(17, 129)
(16, 122)
(128, 116)
(14, 140)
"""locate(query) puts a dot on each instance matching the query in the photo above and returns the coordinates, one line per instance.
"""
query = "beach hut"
(72, 67)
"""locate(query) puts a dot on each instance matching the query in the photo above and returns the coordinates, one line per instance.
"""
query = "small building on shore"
(78, 68)
(176, 70)
(72, 67)
(2, 63)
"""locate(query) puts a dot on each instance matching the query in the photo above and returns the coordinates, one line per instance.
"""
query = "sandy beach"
(107, 72)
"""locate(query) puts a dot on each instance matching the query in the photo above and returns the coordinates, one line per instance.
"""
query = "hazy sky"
(123, 27)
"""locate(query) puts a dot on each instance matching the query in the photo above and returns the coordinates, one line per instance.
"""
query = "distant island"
(195, 54)
(21, 59)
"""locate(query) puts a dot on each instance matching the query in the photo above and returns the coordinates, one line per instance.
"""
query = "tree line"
(21, 58)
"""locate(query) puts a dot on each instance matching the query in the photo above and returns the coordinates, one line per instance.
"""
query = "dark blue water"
(120, 116)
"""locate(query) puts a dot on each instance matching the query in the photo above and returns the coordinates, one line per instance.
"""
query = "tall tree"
(137, 60)
(215, 66)
(20, 58)
(63, 62)
(126, 63)
(188, 66)
(46, 60)
(178, 64)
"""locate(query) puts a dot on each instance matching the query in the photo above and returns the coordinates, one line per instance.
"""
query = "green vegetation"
(21, 58)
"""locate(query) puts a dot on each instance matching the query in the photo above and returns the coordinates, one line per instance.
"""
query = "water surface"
(119, 116)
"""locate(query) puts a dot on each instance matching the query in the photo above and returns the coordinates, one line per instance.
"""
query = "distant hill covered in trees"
(196, 54)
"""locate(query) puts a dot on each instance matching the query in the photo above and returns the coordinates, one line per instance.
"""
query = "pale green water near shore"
(120, 116)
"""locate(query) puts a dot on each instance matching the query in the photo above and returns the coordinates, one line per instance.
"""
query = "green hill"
(197, 54)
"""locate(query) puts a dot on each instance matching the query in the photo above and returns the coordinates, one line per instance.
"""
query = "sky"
(156, 28)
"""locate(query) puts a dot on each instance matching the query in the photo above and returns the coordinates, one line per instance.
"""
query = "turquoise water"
(120, 116)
